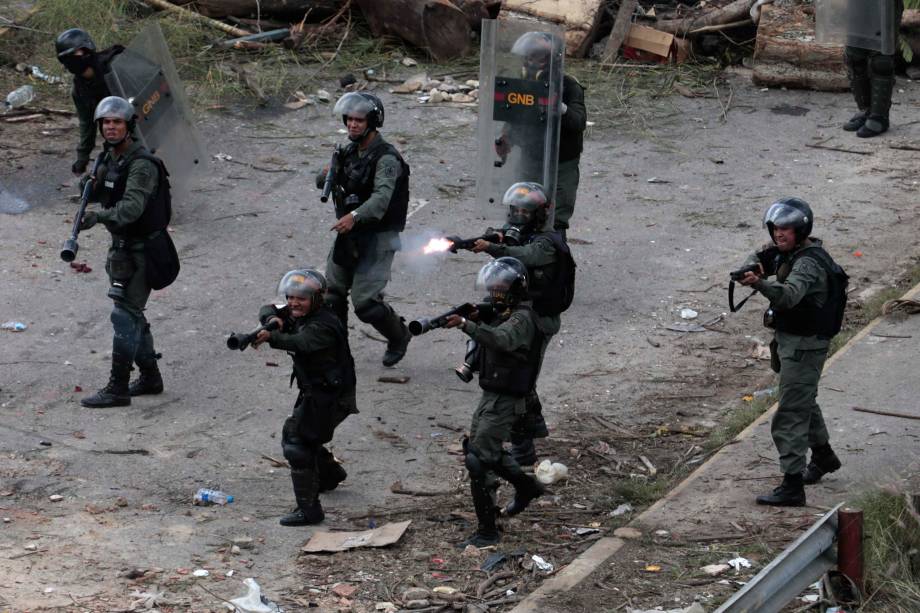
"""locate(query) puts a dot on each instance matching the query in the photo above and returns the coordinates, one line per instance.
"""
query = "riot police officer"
(807, 301)
(317, 342)
(77, 52)
(872, 79)
(371, 195)
(544, 254)
(132, 186)
(508, 368)
(536, 50)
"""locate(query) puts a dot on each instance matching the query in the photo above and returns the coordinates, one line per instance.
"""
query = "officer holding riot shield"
(371, 195)
(132, 187)
(324, 371)
(77, 52)
(537, 51)
(869, 31)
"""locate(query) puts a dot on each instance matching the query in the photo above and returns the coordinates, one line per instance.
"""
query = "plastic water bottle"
(20, 96)
(204, 496)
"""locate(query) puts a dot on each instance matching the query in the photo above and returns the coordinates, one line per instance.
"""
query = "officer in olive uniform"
(324, 370)
(536, 49)
(541, 253)
(804, 312)
(132, 187)
(77, 52)
(371, 196)
(508, 368)
(872, 80)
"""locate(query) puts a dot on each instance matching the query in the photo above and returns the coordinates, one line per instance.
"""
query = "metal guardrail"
(797, 567)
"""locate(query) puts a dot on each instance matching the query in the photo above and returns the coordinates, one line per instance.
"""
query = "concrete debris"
(415, 593)
(714, 570)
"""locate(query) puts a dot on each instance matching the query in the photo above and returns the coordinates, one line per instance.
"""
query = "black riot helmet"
(505, 281)
(537, 50)
(790, 212)
(114, 107)
(304, 283)
(68, 43)
(363, 105)
(527, 204)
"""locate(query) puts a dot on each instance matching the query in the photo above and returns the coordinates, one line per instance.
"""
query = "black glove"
(79, 167)
(89, 220)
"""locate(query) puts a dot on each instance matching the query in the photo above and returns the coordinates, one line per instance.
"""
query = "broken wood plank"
(163, 5)
(579, 18)
(437, 26)
(735, 12)
(620, 29)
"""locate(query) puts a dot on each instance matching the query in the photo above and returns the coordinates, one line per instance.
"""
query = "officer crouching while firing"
(324, 370)
(132, 186)
(544, 254)
(371, 195)
(508, 367)
(807, 301)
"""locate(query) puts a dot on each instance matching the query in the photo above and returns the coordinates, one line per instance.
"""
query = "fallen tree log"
(436, 26)
(291, 9)
(579, 18)
(736, 11)
(785, 53)
(477, 10)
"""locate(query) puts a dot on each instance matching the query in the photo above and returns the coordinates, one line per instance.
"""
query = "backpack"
(560, 288)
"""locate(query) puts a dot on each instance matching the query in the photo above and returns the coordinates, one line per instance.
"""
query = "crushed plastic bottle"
(20, 96)
(13, 326)
(204, 496)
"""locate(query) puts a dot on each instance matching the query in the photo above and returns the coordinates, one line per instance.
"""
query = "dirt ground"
(618, 385)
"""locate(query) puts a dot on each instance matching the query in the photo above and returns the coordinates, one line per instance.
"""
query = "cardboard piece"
(648, 39)
(341, 541)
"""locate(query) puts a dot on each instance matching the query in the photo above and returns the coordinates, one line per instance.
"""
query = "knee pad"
(881, 65)
(474, 465)
(856, 62)
(372, 312)
(298, 455)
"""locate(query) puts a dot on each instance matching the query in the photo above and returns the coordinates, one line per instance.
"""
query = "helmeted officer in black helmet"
(807, 300)
(371, 198)
(133, 189)
(544, 254)
(324, 370)
(536, 50)
(508, 367)
(77, 52)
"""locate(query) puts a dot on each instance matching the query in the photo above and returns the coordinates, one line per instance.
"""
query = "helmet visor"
(353, 105)
(785, 216)
(301, 283)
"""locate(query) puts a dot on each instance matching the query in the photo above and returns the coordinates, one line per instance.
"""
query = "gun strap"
(731, 298)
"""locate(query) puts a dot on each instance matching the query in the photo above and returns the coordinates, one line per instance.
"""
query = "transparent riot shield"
(145, 75)
(867, 24)
(520, 92)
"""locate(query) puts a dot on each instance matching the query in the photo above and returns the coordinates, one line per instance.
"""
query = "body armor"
(157, 213)
(357, 185)
(514, 374)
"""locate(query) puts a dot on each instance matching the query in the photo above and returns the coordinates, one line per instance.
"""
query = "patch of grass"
(737, 420)
(642, 492)
(891, 526)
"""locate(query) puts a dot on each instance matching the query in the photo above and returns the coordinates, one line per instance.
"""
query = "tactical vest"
(158, 210)
(329, 371)
(92, 91)
(514, 374)
(807, 318)
(357, 178)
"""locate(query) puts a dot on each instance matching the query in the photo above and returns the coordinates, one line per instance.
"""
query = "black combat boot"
(790, 493)
(877, 121)
(487, 532)
(331, 473)
(856, 121)
(398, 336)
(148, 383)
(115, 393)
(526, 487)
(823, 461)
(309, 511)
